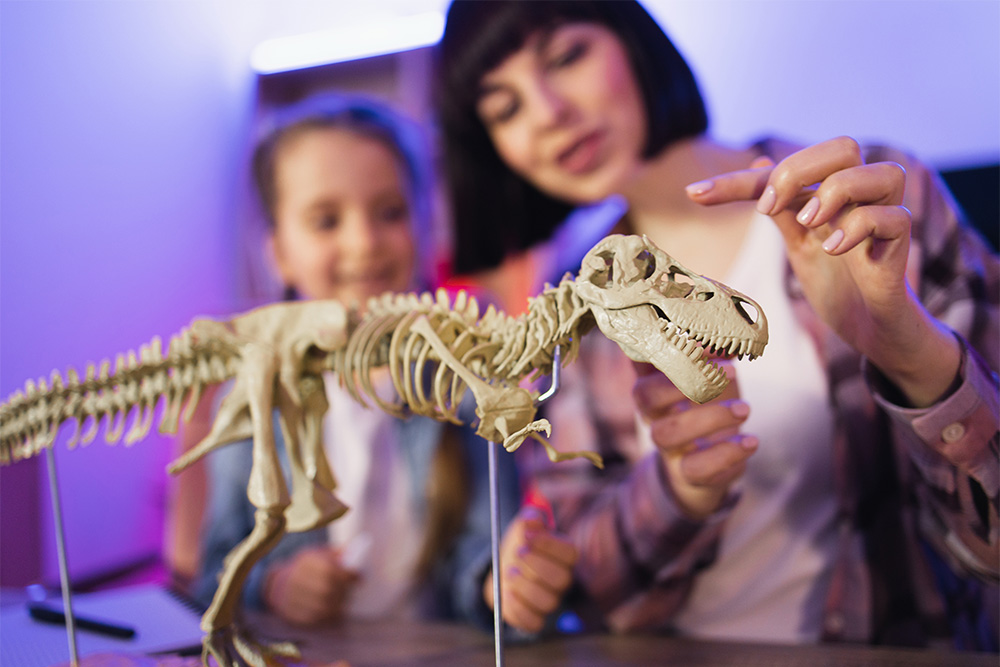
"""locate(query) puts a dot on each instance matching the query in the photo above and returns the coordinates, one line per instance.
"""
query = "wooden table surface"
(444, 645)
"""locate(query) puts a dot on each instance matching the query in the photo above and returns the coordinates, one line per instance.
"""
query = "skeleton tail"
(30, 420)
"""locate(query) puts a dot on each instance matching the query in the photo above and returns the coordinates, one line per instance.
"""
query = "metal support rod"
(495, 514)
(495, 548)
(61, 549)
(556, 374)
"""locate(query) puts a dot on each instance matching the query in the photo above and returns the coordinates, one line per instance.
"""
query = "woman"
(344, 186)
(864, 504)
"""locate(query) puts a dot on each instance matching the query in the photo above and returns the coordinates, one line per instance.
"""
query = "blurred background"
(125, 129)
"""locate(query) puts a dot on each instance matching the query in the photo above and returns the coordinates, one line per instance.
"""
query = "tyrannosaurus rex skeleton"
(435, 352)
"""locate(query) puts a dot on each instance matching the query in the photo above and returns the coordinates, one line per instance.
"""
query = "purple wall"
(923, 75)
(118, 170)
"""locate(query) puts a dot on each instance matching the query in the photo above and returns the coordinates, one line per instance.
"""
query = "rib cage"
(499, 349)
(30, 420)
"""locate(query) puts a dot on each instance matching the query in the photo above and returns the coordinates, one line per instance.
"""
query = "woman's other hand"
(700, 445)
(536, 571)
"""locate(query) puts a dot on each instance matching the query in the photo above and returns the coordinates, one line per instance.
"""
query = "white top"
(381, 533)
(772, 572)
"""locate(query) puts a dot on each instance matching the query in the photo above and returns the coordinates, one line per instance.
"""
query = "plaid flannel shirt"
(917, 490)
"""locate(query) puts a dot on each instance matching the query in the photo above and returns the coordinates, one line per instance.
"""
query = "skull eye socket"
(605, 268)
(675, 285)
(601, 276)
(646, 264)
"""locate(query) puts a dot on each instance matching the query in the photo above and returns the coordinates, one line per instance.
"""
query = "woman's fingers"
(655, 395)
(537, 567)
(548, 575)
(805, 168)
(701, 476)
(533, 592)
(880, 183)
(552, 547)
(827, 184)
(744, 185)
(718, 464)
(880, 224)
(546, 560)
(534, 584)
(776, 187)
(679, 429)
(521, 601)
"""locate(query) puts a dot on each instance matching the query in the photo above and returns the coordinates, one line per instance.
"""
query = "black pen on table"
(47, 614)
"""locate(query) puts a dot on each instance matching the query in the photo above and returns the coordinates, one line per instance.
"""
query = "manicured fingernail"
(739, 409)
(699, 188)
(767, 200)
(808, 211)
(749, 442)
(834, 240)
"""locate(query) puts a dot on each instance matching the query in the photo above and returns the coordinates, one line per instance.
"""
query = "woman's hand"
(847, 236)
(700, 446)
(536, 571)
(310, 588)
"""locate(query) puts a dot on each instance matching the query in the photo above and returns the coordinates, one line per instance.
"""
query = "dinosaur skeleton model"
(434, 352)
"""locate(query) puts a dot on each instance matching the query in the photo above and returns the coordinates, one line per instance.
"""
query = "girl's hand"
(700, 446)
(536, 571)
(847, 236)
(310, 588)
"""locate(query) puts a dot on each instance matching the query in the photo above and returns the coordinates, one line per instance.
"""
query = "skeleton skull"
(635, 289)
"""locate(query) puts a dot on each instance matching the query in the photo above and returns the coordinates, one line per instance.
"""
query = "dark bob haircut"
(496, 212)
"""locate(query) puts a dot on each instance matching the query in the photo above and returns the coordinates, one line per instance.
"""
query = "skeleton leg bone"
(218, 621)
(267, 491)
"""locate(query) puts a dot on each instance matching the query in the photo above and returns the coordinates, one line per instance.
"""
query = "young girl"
(345, 190)
(864, 505)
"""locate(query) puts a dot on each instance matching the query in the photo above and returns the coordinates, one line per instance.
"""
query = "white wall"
(122, 146)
